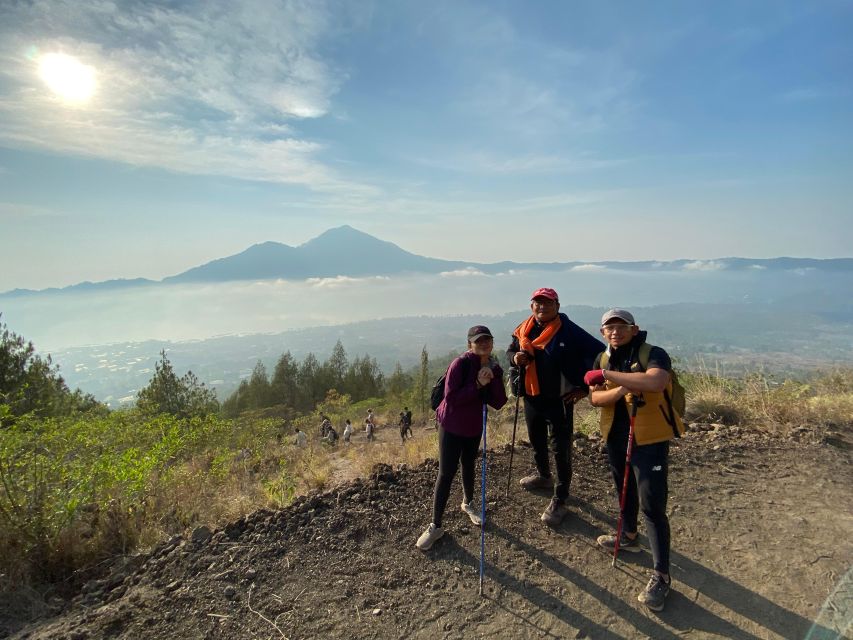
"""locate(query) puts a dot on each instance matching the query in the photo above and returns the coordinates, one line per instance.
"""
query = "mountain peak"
(344, 233)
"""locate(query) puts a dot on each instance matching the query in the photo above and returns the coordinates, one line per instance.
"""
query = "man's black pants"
(539, 413)
(647, 489)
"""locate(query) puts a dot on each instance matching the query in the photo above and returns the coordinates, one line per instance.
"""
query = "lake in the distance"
(189, 312)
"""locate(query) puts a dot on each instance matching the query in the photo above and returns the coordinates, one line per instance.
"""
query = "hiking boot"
(555, 512)
(655, 593)
(468, 508)
(429, 537)
(535, 481)
(608, 541)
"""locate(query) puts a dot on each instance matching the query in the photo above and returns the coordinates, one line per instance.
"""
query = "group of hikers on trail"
(554, 363)
(329, 435)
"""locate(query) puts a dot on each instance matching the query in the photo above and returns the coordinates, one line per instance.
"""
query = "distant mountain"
(344, 251)
(340, 251)
(106, 285)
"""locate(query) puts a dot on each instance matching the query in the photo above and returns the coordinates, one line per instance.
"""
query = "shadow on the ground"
(698, 617)
(684, 614)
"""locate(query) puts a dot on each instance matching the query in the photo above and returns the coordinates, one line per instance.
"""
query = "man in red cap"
(549, 355)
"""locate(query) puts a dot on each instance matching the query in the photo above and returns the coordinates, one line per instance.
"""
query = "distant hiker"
(325, 425)
(331, 436)
(301, 438)
(369, 427)
(402, 423)
(347, 431)
(408, 415)
(472, 379)
(620, 376)
(549, 355)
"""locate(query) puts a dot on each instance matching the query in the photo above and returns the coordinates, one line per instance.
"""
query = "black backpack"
(437, 393)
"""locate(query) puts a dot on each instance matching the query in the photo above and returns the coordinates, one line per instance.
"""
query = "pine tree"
(32, 384)
(182, 397)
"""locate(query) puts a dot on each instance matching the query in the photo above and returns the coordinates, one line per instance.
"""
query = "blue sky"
(545, 131)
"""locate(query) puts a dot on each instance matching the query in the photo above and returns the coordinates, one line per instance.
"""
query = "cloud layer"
(209, 88)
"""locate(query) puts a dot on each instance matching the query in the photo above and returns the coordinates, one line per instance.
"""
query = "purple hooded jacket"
(461, 411)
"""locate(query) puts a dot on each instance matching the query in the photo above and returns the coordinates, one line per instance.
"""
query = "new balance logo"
(656, 468)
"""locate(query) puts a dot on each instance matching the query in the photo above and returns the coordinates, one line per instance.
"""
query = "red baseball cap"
(545, 292)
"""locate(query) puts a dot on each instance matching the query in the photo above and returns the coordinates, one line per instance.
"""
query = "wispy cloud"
(15, 210)
(704, 265)
(812, 94)
(467, 272)
(589, 267)
(340, 281)
(217, 91)
(494, 162)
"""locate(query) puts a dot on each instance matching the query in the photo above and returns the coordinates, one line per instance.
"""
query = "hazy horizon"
(140, 139)
(199, 311)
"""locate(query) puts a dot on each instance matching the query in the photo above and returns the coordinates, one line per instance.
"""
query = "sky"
(140, 139)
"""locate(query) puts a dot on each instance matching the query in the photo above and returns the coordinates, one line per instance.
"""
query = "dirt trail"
(761, 549)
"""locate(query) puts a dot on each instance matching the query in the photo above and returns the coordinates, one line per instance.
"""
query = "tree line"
(302, 385)
(32, 385)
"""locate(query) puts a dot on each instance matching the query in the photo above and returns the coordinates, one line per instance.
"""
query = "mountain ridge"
(346, 251)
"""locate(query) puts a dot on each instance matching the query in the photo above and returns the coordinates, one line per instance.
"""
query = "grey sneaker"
(472, 512)
(429, 537)
(608, 541)
(655, 593)
(535, 481)
(555, 513)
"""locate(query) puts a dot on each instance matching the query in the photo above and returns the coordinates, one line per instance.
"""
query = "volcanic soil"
(761, 530)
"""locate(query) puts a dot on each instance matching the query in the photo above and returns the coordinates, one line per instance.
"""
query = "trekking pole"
(512, 447)
(635, 402)
(483, 504)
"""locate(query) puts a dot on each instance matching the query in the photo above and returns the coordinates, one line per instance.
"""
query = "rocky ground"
(761, 549)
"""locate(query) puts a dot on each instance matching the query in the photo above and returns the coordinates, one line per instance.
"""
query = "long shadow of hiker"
(698, 616)
(684, 614)
(454, 553)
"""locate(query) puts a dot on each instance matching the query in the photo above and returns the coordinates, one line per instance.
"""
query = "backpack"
(437, 393)
(678, 401)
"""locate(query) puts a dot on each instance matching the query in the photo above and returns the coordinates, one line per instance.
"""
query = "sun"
(70, 79)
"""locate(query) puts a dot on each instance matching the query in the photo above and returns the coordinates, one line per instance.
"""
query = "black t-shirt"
(620, 360)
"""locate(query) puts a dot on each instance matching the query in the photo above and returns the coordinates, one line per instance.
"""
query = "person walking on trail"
(620, 375)
(472, 379)
(550, 354)
(369, 419)
(408, 415)
(369, 428)
(301, 439)
(325, 425)
(403, 427)
(347, 431)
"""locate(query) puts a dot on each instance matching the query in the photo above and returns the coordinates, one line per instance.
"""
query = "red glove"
(594, 377)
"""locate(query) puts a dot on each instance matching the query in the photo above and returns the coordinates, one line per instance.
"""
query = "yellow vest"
(655, 422)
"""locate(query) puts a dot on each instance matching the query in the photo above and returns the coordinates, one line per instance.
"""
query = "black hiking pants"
(539, 413)
(647, 490)
(451, 449)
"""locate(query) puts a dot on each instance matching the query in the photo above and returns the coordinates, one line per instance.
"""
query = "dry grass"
(759, 400)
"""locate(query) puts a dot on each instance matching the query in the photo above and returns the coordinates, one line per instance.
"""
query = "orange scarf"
(531, 380)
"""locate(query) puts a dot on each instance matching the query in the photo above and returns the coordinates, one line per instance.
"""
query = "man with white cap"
(550, 354)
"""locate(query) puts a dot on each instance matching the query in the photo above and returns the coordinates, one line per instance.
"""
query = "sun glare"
(67, 77)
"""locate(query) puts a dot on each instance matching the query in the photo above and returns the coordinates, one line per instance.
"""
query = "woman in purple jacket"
(473, 378)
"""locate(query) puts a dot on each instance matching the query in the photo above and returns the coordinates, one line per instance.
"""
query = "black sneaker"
(555, 513)
(608, 541)
(655, 593)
